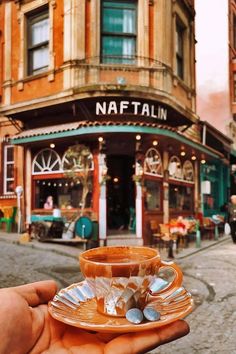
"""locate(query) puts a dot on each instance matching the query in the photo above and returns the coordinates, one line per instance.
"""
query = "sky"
(212, 43)
(212, 62)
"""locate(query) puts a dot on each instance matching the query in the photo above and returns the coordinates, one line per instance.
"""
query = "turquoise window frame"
(118, 45)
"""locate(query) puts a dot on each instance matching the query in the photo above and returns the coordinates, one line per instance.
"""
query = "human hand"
(27, 327)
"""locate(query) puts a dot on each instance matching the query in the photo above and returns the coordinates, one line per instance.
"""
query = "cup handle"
(177, 281)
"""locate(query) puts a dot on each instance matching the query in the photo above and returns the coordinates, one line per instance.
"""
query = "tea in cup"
(121, 276)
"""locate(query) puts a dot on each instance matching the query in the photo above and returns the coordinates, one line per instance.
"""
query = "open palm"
(27, 327)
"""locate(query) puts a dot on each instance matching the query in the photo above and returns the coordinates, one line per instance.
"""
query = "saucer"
(76, 306)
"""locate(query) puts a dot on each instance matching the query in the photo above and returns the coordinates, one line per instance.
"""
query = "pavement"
(74, 251)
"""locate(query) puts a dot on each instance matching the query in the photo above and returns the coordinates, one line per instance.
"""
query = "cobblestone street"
(209, 275)
(20, 264)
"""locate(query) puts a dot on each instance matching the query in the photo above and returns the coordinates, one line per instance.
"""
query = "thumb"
(37, 293)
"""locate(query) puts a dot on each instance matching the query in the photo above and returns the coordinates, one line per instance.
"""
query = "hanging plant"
(78, 165)
(104, 179)
(137, 179)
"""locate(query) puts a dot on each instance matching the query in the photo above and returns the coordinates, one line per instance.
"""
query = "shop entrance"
(120, 194)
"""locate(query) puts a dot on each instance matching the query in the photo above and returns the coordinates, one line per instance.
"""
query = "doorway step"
(124, 240)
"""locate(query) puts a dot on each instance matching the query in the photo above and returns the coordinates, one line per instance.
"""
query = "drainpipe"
(204, 135)
(139, 201)
(102, 171)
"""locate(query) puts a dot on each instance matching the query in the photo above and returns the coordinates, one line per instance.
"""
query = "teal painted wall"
(219, 176)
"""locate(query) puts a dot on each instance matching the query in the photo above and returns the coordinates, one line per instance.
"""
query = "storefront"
(233, 172)
(215, 174)
(215, 187)
(141, 166)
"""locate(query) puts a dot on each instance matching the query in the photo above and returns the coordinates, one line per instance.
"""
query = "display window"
(153, 163)
(152, 195)
(175, 168)
(180, 197)
(59, 181)
(65, 193)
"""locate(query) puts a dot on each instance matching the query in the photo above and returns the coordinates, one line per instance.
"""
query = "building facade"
(216, 76)
(231, 128)
(119, 78)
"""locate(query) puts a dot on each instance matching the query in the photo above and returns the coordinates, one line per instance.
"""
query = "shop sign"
(209, 168)
(136, 108)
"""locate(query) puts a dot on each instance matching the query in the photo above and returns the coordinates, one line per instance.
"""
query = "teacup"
(121, 276)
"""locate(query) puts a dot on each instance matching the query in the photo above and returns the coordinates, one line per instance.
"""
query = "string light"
(100, 139)
(155, 143)
(52, 146)
(138, 137)
(54, 184)
(183, 153)
(203, 161)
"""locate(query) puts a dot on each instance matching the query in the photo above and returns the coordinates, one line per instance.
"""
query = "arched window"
(175, 168)
(76, 163)
(188, 171)
(46, 161)
(153, 163)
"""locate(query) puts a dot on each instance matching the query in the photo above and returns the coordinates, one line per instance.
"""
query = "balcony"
(139, 76)
(122, 71)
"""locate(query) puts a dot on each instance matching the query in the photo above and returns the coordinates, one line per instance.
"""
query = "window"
(152, 195)
(211, 201)
(180, 197)
(175, 168)
(152, 162)
(77, 163)
(188, 171)
(234, 88)
(38, 42)
(46, 161)
(180, 50)
(66, 193)
(234, 31)
(8, 182)
(118, 42)
(212, 174)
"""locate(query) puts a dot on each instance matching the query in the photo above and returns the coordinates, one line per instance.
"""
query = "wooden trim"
(181, 182)
(49, 176)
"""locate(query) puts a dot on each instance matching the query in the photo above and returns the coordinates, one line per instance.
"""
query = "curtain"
(40, 31)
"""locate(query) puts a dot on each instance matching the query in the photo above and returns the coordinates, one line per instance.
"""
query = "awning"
(36, 134)
(94, 127)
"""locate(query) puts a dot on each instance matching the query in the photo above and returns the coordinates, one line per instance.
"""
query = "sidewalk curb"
(37, 247)
(69, 250)
(201, 249)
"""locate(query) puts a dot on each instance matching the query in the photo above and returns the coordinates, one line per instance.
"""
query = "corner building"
(118, 77)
